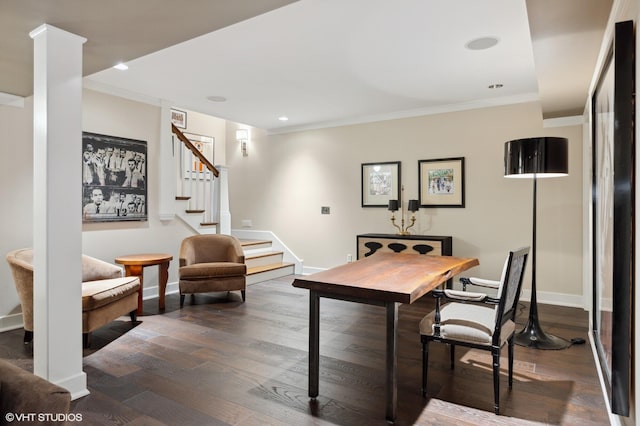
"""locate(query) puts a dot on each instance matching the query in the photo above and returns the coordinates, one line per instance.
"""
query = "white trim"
(576, 120)
(277, 244)
(11, 322)
(614, 419)
(11, 100)
(123, 93)
(556, 299)
(463, 106)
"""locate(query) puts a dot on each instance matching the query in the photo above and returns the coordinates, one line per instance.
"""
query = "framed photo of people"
(114, 179)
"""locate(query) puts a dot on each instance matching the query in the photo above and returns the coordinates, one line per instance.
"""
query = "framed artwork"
(179, 118)
(114, 179)
(380, 183)
(613, 186)
(441, 182)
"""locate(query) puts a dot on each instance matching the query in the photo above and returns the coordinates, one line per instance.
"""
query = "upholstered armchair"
(477, 320)
(106, 294)
(209, 263)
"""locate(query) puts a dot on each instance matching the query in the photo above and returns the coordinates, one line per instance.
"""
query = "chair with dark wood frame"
(468, 323)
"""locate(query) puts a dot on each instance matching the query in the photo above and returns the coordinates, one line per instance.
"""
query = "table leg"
(136, 271)
(314, 343)
(163, 273)
(392, 360)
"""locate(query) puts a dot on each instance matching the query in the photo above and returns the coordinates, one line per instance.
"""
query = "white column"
(222, 190)
(168, 164)
(57, 219)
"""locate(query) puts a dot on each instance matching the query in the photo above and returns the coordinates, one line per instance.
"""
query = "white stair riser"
(270, 275)
(193, 220)
(263, 260)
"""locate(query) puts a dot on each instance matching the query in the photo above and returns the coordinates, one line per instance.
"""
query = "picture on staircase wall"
(114, 179)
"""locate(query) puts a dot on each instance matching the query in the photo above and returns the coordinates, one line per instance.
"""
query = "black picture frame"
(380, 183)
(114, 179)
(441, 182)
(613, 208)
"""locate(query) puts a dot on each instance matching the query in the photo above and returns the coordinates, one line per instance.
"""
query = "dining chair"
(477, 320)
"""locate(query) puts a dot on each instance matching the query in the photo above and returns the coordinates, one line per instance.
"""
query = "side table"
(134, 266)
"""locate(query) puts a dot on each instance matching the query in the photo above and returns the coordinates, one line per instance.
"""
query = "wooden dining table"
(383, 279)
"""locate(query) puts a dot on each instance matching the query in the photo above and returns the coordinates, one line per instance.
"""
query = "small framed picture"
(441, 182)
(380, 183)
(179, 118)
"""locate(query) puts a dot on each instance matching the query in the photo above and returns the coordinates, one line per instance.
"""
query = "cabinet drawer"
(367, 246)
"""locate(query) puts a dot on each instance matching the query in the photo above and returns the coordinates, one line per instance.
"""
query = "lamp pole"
(532, 334)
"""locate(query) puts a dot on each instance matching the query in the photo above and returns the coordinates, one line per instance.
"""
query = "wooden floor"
(218, 361)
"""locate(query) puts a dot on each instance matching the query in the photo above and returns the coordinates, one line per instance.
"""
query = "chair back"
(207, 248)
(510, 287)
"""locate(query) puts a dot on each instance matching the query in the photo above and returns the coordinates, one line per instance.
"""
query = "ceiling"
(321, 62)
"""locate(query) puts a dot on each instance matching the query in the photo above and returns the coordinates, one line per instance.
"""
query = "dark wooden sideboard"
(423, 244)
(367, 244)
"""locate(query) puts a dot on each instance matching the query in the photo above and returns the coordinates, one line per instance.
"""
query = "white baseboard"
(11, 322)
(557, 299)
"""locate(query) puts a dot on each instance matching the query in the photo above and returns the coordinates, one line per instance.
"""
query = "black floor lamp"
(536, 158)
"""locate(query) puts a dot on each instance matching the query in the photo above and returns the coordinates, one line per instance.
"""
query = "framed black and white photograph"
(179, 118)
(441, 182)
(380, 183)
(114, 178)
(613, 186)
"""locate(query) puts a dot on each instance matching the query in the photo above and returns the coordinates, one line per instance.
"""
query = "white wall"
(286, 178)
(120, 117)
(16, 193)
(101, 114)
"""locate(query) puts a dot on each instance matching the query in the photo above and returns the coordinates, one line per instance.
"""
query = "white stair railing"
(196, 179)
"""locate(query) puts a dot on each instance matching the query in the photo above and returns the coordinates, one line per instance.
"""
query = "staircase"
(263, 262)
(204, 207)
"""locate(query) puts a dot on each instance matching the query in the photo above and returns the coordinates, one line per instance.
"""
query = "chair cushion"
(102, 292)
(212, 270)
(466, 322)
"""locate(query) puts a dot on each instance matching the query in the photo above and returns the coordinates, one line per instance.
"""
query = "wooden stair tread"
(249, 243)
(208, 223)
(265, 254)
(265, 268)
(182, 198)
(194, 211)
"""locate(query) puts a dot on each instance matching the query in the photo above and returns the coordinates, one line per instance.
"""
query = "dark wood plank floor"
(218, 361)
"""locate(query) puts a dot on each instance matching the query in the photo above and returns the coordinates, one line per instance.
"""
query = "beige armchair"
(106, 294)
(212, 262)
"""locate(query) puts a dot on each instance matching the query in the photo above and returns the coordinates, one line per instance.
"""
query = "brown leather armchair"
(106, 294)
(211, 262)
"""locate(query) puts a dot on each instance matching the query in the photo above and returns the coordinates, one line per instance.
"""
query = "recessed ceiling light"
(121, 66)
(496, 86)
(283, 118)
(481, 43)
(217, 98)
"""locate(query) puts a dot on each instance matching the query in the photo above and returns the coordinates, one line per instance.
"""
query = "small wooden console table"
(134, 266)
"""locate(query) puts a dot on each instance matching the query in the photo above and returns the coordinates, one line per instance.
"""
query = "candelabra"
(412, 207)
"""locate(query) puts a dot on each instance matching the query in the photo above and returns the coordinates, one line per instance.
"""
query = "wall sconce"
(242, 136)
(412, 207)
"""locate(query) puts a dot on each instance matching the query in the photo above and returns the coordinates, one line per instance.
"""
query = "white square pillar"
(57, 220)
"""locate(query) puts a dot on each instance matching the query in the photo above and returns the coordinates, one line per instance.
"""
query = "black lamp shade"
(541, 157)
(413, 206)
(393, 205)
